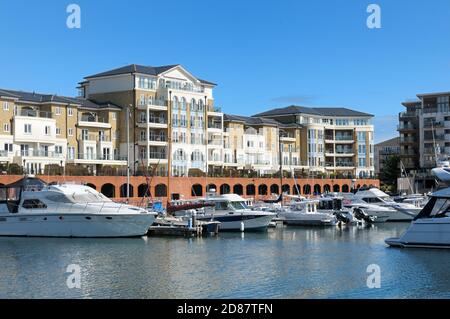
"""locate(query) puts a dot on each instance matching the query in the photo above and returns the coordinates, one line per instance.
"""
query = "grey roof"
(250, 120)
(34, 97)
(391, 142)
(321, 111)
(135, 68)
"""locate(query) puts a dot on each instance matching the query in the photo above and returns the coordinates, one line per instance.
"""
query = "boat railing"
(82, 208)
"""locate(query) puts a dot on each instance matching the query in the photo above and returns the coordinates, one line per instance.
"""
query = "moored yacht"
(431, 228)
(233, 214)
(395, 211)
(31, 208)
(305, 213)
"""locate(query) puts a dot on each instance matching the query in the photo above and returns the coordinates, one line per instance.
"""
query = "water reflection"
(291, 262)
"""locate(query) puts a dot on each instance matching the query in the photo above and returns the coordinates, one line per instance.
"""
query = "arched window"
(144, 190)
(307, 189)
(197, 156)
(336, 188)
(109, 190)
(274, 189)
(225, 189)
(175, 104)
(124, 191)
(286, 189)
(262, 190)
(238, 189)
(251, 190)
(326, 188)
(183, 103)
(193, 105)
(179, 155)
(161, 190)
(345, 188)
(200, 105)
(197, 190)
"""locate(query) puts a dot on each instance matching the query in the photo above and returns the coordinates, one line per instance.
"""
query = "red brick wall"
(183, 185)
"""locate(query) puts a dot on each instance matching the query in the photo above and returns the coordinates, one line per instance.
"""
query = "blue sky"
(263, 54)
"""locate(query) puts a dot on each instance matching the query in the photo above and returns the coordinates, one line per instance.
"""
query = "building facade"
(384, 150)
(424, 130)
(161, 118)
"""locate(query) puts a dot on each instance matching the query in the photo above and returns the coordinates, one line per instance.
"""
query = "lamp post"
(281, 133)
(128, 151)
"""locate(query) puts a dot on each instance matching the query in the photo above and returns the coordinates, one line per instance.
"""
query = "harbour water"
(282, 263)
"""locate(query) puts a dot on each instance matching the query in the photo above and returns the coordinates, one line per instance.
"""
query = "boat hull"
(76, 225)
(424, 233)
(241, 222)
(306, 219)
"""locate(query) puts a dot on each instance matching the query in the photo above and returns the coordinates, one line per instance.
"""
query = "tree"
(390, 171)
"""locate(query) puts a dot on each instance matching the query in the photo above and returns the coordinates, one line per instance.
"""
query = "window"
(114, 116)
(27, 128)
(71, 152)
(58, 149)
(70, 131)
(47, 130)
(58, 131)
(33, 204)
(5, 106)
(24, 148)
(6, 127)
(70, 111)
(58, 111)
(8, 147)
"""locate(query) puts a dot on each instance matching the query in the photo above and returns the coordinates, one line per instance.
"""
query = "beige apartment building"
(134, 111)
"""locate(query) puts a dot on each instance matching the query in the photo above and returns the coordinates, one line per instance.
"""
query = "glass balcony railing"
(36, 113)
(38, 153)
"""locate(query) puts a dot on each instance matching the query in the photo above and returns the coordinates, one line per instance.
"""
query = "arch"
(274, 189)
(317, 189)
(183, 103)
(193, 105)
(200, 105)
(175, 102)
(109, 190)
(287, 189)
(307, 189)
(123, 190)
(91, 186)
(250, 190)
(225, 189)
(327, 188)
(211, 187)
(262, 189)
(345, 188)
(180, 155)
(161, 190)
(336, 188)
(143, 190)
(238, 189)
(197, 190)
(296, 189)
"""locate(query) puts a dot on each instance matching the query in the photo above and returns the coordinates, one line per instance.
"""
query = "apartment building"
(331, 141)
(424, 129)
(384, 150)
(38, 130)
(127, 116)
(164, 103)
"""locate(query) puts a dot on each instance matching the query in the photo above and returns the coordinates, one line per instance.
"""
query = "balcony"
(157, 105)
(406, 126)
(36, 113)
(340, 165)
(408, 115)
(39, 154)
(437, 137)
(157, 156)
(344, 138)
(215, 143)
(215, 109)
(214, 126)
(94, 138)
(408, 139)
(180, 86)
(431, 125)
(98, 159)
(93, 121)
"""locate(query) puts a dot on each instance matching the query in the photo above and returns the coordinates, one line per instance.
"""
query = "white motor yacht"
(233, 214)
(396, 211)
(31, 208)
(431, 228)
(305, 213)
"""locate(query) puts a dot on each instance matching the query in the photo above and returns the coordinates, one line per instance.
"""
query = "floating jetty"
(169, 226)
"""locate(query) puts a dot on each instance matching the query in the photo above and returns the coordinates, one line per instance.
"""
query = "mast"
(169, 155)
(281, 161)
(128, 152)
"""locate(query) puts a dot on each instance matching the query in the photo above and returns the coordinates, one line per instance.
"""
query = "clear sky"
(263, 54)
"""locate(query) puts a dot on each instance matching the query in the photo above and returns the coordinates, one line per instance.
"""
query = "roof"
(135, 68)
(392, 142)
(48, 98)
(250, 120)
(320, 111)
(432, 94)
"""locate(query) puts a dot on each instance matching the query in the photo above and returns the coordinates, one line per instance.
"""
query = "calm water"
(282, 263)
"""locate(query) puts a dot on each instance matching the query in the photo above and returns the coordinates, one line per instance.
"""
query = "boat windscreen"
(238, 205)
(436, 207)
